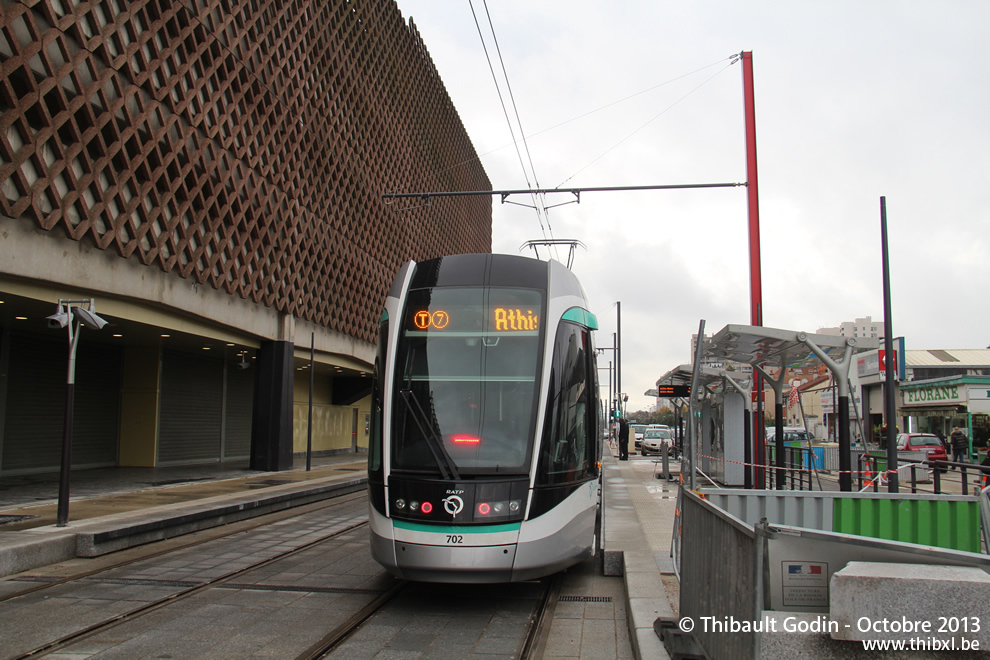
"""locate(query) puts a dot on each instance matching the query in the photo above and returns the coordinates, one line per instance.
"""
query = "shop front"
(942, 404)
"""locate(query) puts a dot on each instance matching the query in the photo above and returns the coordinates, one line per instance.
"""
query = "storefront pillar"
(271, 428)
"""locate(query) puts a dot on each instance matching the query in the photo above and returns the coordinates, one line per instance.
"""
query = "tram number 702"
(455, 538)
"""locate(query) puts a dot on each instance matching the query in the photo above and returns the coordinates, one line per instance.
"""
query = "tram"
(484, 462)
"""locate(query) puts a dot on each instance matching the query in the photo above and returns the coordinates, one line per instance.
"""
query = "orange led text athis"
(515, 319)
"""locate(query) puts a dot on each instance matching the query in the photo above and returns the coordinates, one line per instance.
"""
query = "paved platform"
(116, 508)
(639, 523)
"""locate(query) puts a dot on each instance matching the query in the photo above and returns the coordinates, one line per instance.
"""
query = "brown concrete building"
(211, 174)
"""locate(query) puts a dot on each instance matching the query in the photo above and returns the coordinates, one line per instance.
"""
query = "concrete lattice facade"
(245, 145)
(219, 166)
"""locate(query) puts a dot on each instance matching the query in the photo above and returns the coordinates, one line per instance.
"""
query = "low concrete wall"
(922, 602)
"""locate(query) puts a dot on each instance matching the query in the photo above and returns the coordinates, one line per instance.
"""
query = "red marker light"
(466, 439)
(427, 507)
(484, 509)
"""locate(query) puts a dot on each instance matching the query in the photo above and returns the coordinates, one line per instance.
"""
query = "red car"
(926, 442)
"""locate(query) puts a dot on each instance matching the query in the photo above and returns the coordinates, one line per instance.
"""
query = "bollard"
(664, 461)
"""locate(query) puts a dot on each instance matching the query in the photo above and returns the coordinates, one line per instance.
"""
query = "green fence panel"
(934, 522)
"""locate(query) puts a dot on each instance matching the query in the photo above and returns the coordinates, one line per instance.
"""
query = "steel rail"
(343, 632)
(147, 608)
(192, 540)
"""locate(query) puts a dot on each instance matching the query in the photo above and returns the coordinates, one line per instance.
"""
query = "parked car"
(926, 442)
(639, 429)
(653, 439)
(791, 433)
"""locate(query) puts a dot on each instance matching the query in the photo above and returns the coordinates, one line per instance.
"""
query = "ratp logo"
(453, 505)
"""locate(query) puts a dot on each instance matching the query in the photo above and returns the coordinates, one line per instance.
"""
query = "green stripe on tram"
(384, 317)
(457, 529)
(581, 317)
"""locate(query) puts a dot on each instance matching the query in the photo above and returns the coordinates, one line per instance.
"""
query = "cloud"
(854, 101)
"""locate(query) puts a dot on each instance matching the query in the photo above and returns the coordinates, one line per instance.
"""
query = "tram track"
(186, 590)
(533, 639)
(539, 630)
(341, 633)
(165, 547)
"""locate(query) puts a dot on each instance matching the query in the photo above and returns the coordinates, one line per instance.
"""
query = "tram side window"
(564, 455)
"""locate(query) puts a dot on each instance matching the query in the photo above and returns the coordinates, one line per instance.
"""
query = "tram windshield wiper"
(444, 462)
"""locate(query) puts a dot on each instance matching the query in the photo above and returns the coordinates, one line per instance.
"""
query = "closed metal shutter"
(237, 415)
(35, 406)
(190, 414)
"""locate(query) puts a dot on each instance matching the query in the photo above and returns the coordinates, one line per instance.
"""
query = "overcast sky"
(854, 101)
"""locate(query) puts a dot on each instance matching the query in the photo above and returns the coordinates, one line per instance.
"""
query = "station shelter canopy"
(757, 345)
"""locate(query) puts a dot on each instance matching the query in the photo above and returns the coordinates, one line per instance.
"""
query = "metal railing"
(736, 549)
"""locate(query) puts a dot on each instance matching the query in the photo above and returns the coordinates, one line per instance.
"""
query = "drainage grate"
(149, 582)
(173, 482)
(9, 519)
(34, 578)
(585, 599)
(144, 582)
(270, 482)
(285, 587)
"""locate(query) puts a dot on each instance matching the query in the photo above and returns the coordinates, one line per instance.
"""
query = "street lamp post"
(71, 315)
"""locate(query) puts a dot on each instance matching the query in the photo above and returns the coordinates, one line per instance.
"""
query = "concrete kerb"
(647, 600)
(23, 551)
(35, 547)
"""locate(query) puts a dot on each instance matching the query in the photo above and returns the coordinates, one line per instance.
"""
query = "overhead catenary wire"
(651, 120)
(515, 109)
(505, 111)
(732, 60)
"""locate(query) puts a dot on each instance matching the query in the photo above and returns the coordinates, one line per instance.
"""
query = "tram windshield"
(466, 381)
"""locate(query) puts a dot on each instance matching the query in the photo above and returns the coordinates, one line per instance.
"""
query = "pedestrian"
(960, 446)
(941, 438)
(623, 440)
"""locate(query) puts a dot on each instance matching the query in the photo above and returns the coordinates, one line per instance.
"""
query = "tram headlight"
(514, 506)
(414, 506)
(484, 508)
(426, 507)
(499, 507)
(400, 504)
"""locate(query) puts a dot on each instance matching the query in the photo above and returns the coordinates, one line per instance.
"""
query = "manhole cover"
(9, 519)
(172, 482)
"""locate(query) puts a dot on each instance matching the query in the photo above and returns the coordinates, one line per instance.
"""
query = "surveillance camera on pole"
(59, 319)
(85, 317)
